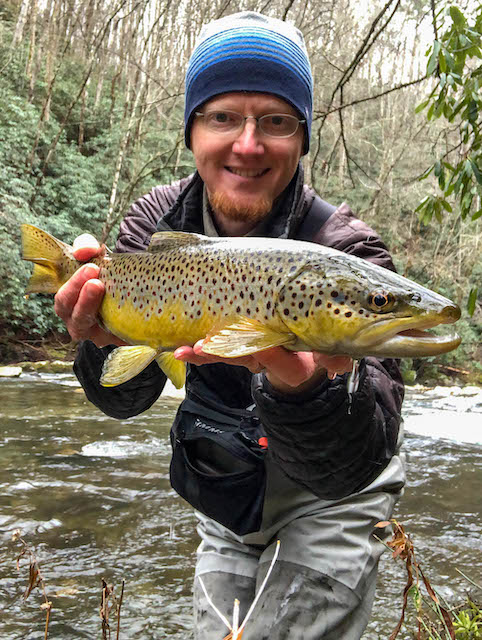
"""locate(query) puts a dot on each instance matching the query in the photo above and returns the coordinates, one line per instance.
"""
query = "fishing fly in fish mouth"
(244, 296)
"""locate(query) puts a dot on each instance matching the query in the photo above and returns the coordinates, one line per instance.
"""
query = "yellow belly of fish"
(167, 330)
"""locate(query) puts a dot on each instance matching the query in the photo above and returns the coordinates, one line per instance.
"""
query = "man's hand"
(288, 371)
(77, 301)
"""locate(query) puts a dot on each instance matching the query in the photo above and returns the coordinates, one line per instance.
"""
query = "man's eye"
(277, 121)
(220, 116)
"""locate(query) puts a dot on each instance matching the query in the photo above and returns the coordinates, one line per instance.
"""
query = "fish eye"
(381, 301)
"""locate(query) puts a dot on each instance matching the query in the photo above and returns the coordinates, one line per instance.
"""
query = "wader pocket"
(218, 467)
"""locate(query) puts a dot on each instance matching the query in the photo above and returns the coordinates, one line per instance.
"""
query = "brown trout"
(246, 295)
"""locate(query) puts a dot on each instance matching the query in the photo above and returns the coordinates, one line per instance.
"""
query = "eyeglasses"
(275, 125)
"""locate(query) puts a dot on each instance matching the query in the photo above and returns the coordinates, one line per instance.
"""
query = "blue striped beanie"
(250, 52)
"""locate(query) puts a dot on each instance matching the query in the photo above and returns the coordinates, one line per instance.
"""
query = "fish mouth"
(407, 337)
(416, 343)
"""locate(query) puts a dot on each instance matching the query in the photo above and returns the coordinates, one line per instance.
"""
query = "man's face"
(245, 171)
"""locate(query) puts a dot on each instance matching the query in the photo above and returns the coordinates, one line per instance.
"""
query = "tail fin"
(49, 256)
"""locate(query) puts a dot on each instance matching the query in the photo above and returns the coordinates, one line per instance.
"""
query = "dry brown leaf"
(382, 524)
(34, 579)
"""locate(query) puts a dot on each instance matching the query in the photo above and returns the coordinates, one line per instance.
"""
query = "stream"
(92, 498)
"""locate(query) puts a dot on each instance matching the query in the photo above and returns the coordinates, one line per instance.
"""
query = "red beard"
(231, 209)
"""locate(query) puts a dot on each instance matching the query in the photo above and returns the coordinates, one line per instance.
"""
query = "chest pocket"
(218, 465)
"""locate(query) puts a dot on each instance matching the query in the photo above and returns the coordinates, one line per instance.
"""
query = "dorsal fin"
(163, 240)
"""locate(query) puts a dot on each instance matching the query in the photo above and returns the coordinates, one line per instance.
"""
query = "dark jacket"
(314, 437)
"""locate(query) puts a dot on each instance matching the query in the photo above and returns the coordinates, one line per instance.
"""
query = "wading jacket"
(318, 441)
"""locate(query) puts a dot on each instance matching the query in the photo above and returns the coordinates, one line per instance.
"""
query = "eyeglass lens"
(272, 124)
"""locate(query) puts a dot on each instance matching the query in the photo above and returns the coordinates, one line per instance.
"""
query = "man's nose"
(249, 139)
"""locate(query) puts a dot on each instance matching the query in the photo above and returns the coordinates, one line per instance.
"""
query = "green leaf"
(425, 175)
(442, 63)
(449, 60)
(450, 190)
(421, 106)
(471, 302)
(426, 216)
(439, 108)
(438, 211)
(457, 16)
(432, 64)
(476, 171)
(468, 168)
(477, 215)
(446, 206)
(422, 203)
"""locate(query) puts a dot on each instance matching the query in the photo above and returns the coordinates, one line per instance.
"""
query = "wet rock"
(47, 366)
(10, 372)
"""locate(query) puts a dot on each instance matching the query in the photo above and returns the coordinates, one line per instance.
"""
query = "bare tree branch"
(287, 9)
(322, 114)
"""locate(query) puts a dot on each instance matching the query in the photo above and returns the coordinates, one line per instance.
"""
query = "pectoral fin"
(245, 337)
(125, 363)
(174, 369)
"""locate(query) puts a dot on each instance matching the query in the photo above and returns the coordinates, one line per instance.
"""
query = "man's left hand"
(287, 371)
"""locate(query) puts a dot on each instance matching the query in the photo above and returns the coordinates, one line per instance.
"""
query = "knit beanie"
(250, 52)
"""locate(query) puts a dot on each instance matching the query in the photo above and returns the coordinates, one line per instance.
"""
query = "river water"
(92, 498)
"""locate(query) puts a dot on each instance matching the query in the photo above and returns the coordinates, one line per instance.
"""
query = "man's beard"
(232, 209)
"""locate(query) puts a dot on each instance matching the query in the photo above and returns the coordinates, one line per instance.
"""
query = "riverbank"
(432, 376)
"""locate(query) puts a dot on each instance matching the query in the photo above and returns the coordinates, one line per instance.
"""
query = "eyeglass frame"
(257, 118)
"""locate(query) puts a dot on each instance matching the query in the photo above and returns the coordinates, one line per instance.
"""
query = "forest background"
(91, 117)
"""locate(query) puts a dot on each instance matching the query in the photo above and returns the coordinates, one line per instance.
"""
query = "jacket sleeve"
(127, 399)
(330, 443)
(136, 395)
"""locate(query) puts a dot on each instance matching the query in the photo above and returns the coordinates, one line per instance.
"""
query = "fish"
(243, 295)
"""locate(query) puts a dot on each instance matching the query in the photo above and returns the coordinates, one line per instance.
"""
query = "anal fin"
(174, 369)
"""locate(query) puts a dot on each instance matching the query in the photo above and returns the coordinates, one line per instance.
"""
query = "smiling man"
(270, 446)
(245, 172)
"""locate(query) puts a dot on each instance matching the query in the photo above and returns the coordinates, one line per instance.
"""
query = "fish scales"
(181, 296)
(246, 295)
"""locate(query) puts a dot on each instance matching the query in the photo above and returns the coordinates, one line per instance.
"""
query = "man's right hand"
(77, 302)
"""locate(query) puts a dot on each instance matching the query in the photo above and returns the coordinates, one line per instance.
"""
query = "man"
(270, 446)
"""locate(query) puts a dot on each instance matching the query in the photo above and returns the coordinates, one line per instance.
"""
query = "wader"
(323, 583)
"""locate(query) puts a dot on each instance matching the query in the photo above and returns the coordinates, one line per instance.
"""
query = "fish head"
(356, 308)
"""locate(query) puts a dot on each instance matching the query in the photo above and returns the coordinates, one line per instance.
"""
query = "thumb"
(86, 247)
